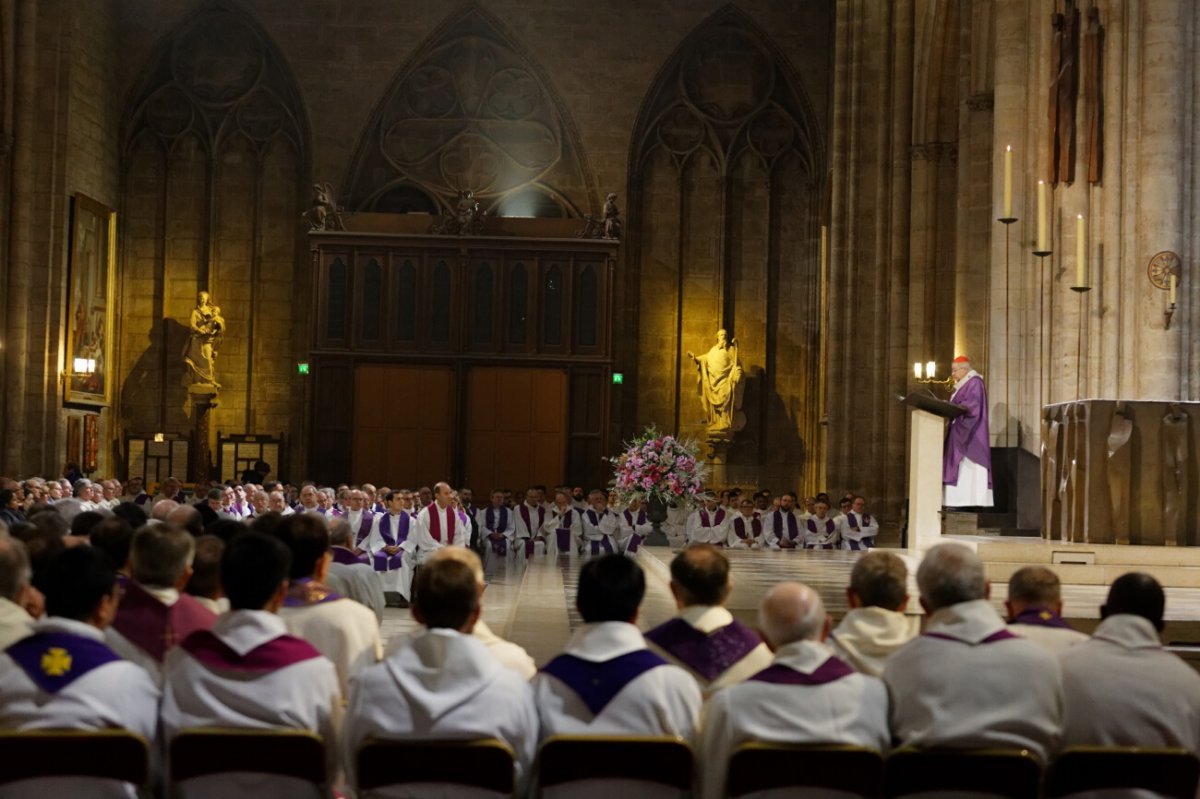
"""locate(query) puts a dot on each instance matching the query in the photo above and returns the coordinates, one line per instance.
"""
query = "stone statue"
(719, 382)
(207, 329)
(606, 227)
(324, 213)
(1119, 464)
(467, 219)
(1175, 475)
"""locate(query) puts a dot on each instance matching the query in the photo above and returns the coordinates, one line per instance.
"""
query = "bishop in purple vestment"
(967, 459)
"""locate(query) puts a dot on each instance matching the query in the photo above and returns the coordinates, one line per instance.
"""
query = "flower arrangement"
(654, 466)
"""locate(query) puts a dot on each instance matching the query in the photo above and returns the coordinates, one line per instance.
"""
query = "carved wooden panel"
(471, 110)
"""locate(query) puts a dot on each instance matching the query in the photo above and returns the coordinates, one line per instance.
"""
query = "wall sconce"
(926, 374)
(159, 438)
(84, 366)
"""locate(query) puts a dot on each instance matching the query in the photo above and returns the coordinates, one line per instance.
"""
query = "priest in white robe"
(599, 526)
(634, 527)
(746, 531)
(389, 548)
(708, 524)
(784, 526)
(562, 528)
(496, 525)
(528, 519)
(440, 524)
(822, 531)
(859, 527)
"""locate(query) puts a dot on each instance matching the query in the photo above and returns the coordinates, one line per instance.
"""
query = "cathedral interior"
(403, 216)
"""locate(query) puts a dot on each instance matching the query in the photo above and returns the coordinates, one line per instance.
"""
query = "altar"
(1121, 472)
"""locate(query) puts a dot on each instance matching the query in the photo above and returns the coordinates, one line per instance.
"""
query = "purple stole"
(435, 523)
(154, 627)
(563, 534)
(739, 526)
(364, 528)
(383, 561)
(306, 592)
(344, 556)
(278, 653)
(597, 684)
(706, 522)
(493, 525)
(635, 540)
(1041, 617)
(793, 529)
(533, 531)
(999, 635)
(55, 660)
(707, 654)
(830, 526)
(833, 669)
(604, 541)
(865, 543)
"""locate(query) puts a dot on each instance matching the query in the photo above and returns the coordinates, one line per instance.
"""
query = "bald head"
(792, 612)
(700, 576)
(950, 574)
(163, 508)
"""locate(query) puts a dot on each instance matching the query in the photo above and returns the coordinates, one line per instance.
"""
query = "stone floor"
(532, 603)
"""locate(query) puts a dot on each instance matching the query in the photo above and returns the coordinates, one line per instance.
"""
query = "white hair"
(950, 574)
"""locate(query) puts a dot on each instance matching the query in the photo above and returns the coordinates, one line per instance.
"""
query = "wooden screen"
(516, 430)
(403, 418)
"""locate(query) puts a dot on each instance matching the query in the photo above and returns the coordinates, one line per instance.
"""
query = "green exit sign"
(618, 378)
(302, 368)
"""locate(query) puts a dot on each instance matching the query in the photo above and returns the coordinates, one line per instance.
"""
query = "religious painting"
(91, 441)
(74, 439)
(89, 298)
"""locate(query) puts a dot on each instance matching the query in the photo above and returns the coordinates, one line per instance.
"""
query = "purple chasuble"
(307, 592)
(967, 435)
(1041, 617)
(154, 627)
(999, 635)
(344, 556)
(55, 660)
(707, 654)
(597, 684)
(278, 653)
(793, 529)
(833, 669)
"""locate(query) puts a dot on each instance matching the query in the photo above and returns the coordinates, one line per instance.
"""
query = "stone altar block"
(1121, 472)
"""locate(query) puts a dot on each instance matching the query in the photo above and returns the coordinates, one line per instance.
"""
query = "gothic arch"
(214, 159)
(725, 172)
(471, 109)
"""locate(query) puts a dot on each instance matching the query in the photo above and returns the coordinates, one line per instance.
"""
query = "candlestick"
(1041, 218)
(1172, 289)
(1008, 177)
(1080, 251)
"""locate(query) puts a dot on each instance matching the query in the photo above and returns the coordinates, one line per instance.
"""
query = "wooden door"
(403, 420)
(516, 428)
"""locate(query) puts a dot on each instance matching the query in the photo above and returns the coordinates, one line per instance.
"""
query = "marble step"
(1048, 552)
(1101, 574)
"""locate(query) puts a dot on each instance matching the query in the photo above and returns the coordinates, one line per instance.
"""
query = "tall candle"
(1041, 219)
(1172, 288)
(1008, 166)
(1080, 251)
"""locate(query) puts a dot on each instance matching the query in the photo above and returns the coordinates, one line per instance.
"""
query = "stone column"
(1162, 55)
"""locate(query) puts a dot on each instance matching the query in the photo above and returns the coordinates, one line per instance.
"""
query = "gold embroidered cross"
(56, 662)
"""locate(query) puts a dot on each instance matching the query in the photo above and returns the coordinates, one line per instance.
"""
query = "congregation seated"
(348, 575)
(807, 695)
(967, 681)
(784, 526)
(876, 624)
(247, 671)
(859, 528)
(1034, 607)
(598, 526)
(707, 524)
(442, 682)
(155, 614)
(15, 576)
(439, 524)
(388, 547)
(1121, 688)
(705, 638)
(341, 629)
(508, 653)
(607, 682)
(822, 531)
(63, 675)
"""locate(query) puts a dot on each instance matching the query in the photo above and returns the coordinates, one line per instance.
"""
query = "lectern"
(927, 428)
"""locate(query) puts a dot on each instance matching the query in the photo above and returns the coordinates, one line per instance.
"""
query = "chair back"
(1014, 773)
(763, 766)
(101, 754)
(486, 763)
(1166, 772)
(208, 751)
(573, 758)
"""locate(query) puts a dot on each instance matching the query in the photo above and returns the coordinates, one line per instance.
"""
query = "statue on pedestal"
(324, 213)
(467, 219)
(605, 227)
(207, 328)
(719, 383)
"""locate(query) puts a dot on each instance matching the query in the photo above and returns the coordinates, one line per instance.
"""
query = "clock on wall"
(1161, 267)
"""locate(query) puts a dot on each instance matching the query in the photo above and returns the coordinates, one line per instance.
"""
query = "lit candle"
(1172, 289)
(1041, 220)
(929, 369)
(1008, 162)
(917, 369)
(1080, 251)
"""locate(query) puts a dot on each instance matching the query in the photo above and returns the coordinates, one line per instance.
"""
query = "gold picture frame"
(90, 294)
